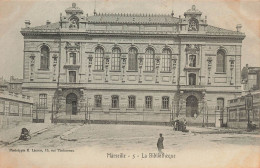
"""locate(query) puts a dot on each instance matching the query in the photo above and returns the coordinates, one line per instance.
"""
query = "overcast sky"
(225, 14)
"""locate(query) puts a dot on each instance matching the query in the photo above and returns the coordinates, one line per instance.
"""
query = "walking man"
(160, 143)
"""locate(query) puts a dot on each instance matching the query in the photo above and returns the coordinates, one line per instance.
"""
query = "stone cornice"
(133, 33)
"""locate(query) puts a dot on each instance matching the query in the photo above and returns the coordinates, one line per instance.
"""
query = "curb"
(65, 135)
(32, 135)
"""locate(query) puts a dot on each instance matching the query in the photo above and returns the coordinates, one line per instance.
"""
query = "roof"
(213, 29)
(133, 19)
(51, 26)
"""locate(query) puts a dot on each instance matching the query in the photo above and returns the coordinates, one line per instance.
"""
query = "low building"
(15, 108)
(238, 116)
(15, 85)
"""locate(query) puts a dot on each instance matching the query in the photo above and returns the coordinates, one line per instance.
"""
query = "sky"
(225, 14)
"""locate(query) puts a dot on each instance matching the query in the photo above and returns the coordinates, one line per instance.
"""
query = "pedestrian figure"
(25, 134)
(160, 143)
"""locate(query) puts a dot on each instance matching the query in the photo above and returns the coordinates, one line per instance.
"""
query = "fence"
(205, 116)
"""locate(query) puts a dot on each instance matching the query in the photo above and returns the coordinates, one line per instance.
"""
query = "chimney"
(27, 23)
(48, 22)
(239, 26)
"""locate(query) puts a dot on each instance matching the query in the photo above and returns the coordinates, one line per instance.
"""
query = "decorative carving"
(232, 65)
(74, 23)
(123, 67)
(32, 57)
(140, 58)
(209, 69)
(192, 48)
(193, 25)
(71, 45)
(107, 65)
(157, 59)
(55, 57)
(90, 58)
(174, 62)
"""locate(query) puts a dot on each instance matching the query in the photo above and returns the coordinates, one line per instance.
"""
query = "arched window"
(221, 61)
(149, 60)
(166, 60)
(132, 59)
(45, 57)
(191, 106)
(192, 79)
(116, 58)
(99, 58)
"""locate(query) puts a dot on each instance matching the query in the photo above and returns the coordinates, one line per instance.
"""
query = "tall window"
(72, 76)
(98, 101)
(73, 58)
(132, 59)
(192, 60)
(131, 101)
(43, 100)
(99, 58)
(45, 56)
(221, 61)
(192, 79)
(166, 60)
(220, 103)
(149, 60)
(148, 102)
(116, 58)
(165, 102)
(115, 101)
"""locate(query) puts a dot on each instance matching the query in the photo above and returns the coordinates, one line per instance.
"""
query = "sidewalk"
(214, 130)
(11, 135)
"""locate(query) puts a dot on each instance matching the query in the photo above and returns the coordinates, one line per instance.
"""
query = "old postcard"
(129, 83)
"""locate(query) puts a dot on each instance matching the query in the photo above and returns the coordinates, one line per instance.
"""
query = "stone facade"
(182, 63)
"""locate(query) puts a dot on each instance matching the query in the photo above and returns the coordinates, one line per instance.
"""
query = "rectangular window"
(148, 102)
(131, 102)
(192, 61)
(73, 58)
(165, 102)
(72, 76)
(220, 103)
(2, 107)
(98, 101)
(43, 100)
(14, 108)
(115, 102)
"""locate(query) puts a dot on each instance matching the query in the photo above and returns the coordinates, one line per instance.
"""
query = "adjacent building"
(133, 67)
(238, 115)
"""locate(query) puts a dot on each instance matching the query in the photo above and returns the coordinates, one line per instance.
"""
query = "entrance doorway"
(71, 104)
(191, 106)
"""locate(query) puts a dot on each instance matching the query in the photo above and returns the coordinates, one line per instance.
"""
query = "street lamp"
(248, 106)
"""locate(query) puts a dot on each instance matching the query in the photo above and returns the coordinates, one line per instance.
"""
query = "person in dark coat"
(160, 143)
